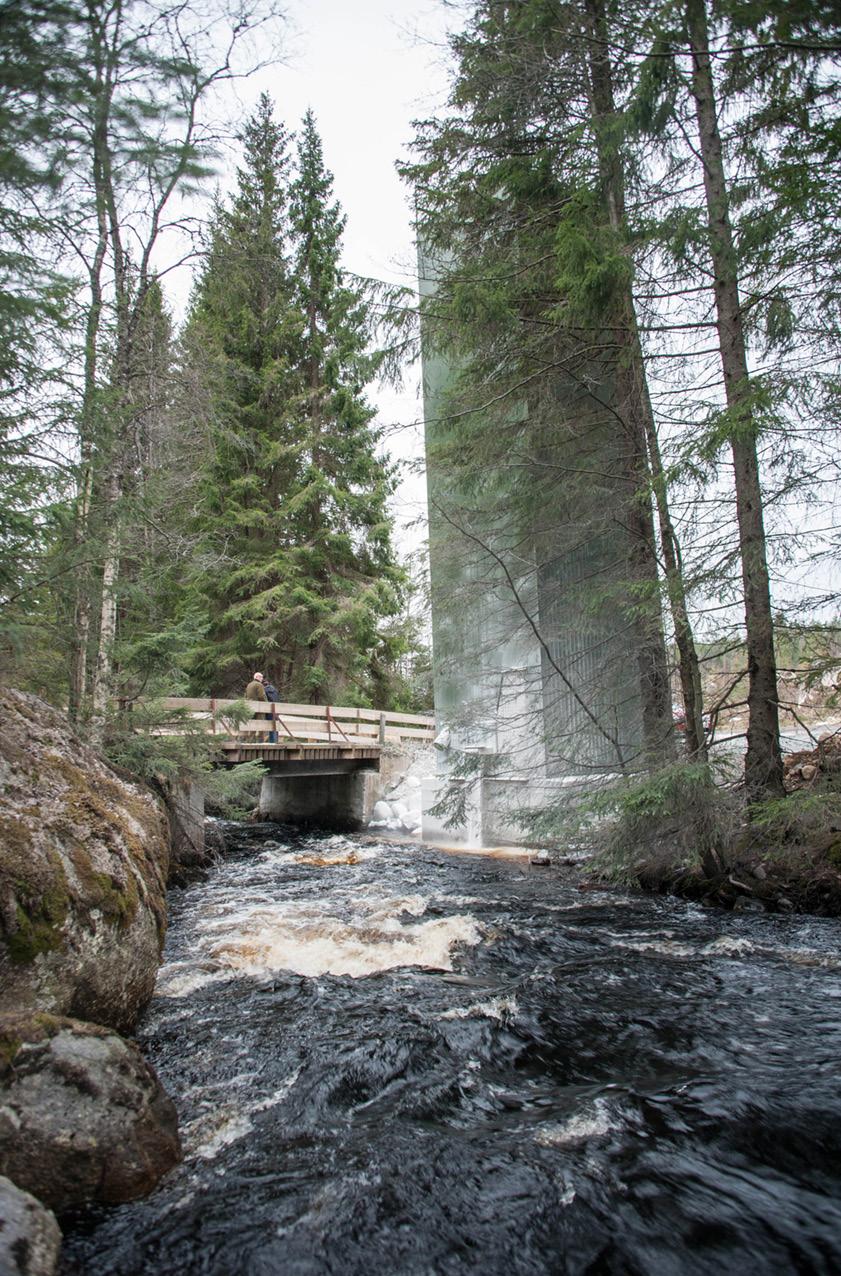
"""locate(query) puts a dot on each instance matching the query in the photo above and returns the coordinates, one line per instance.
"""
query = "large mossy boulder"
(83, 1116)
(84, 856)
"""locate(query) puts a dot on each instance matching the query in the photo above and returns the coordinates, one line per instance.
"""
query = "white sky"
(367, 68)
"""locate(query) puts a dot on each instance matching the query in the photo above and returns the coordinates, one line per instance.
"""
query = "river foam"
(325, 945)
(333, 937)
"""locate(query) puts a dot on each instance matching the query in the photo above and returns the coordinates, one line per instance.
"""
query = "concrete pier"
(185, 808)
(342, 801)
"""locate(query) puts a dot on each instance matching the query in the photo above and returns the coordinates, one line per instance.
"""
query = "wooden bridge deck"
(305, 733)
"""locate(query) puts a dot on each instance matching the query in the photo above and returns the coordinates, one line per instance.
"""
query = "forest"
(636, 203)
(182, 506)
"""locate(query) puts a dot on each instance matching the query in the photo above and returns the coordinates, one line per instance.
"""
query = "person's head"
(258, 677)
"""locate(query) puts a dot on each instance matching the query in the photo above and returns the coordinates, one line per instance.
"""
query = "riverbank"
(87, 852)
(678, 833)
(754, 876)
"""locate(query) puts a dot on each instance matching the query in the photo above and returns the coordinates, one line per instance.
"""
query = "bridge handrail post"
(382, 728)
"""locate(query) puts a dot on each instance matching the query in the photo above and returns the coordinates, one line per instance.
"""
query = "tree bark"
(80, 639)
(688, 666)
(107, 631)
(763, 761)
(633, 409)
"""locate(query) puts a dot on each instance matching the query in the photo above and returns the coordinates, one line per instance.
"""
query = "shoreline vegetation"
(677, 832)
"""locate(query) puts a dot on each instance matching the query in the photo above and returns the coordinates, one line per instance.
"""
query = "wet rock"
(541, 859)
(30, 1238)
(748, 904)
(410, 822)
(83, 1116)
(188, 845)
(84, 856)
(214, 839)
(381, 812)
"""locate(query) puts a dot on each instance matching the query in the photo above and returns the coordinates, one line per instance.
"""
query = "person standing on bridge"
(273, 695)
(256, 691)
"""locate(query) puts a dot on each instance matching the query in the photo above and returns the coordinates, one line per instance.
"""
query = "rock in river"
(83, 1116)
(29, 1235)
(84, 856)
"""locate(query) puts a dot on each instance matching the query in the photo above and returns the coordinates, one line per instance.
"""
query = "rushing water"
(389, 1059)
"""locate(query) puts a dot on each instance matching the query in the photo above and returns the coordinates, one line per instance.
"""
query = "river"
(388, 1059)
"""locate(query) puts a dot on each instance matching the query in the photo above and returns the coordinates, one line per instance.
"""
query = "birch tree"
(137, 139)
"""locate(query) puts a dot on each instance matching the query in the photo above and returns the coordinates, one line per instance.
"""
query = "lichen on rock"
(84, 856)
(30, 1238)
(83, 1116)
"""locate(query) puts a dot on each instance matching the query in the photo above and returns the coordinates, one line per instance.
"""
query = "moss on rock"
(84, 856)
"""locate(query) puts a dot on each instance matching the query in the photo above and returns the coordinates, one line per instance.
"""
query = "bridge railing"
(305, 723)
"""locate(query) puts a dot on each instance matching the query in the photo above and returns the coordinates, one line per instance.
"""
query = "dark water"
(602, 1083)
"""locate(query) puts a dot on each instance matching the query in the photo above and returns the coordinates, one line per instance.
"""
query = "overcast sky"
(367, 68)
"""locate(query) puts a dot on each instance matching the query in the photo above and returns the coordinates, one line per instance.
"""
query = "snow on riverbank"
(399, 810)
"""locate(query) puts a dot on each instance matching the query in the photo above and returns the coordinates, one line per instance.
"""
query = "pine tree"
(763, 760)
(520, 208)
(36, 88)
(294, 496)
(750, 83)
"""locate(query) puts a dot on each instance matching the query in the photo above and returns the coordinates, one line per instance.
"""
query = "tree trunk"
(88, 431)
(688, 666)
(633, 409)
(763, 762)
(107, 629)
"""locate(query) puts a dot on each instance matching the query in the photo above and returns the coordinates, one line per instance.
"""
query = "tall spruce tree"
(36, 89)
(752, 85)
(520, 207)
(344, 547)
(296, 532)
(763, 760)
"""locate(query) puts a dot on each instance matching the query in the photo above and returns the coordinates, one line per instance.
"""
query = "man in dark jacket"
(273, 695)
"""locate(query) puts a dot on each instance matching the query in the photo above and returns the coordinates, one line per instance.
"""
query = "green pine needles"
(295, 568)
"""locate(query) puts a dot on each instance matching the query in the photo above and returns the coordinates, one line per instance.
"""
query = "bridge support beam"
(342, 802)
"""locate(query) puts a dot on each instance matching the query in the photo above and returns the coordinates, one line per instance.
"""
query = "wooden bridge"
(322, 763)
(303, 732)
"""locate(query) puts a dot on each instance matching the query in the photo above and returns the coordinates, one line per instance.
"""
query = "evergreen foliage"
(612, 188)
(36, 86)
(293, 509)
(177, 512)
(547, 493)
